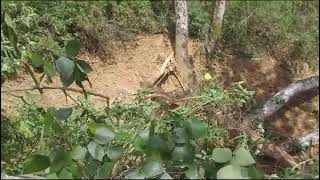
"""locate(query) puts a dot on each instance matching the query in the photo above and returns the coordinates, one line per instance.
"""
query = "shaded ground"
(143, 58)
(266, 77)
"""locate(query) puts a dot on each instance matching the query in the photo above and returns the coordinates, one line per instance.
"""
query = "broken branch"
(162, 70)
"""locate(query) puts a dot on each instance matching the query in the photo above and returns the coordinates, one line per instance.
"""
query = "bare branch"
(21, 97)
(60, 88)
(36, 82)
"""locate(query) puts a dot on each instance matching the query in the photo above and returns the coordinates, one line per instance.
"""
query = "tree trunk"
(184, 65)
(217, 18)
(282, 97)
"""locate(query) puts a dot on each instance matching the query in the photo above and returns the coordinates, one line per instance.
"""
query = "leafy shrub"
(199, 19)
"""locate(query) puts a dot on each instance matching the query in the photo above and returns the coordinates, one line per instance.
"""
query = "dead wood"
(281, 98)
(312, 138)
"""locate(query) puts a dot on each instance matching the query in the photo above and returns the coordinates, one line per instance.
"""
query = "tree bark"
(282, 97)
(184, 65)
(217, 18)
(310, 138)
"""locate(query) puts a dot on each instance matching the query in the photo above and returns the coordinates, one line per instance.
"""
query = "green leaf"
(152, 168)
(211, 169)
(65, 174)
(135, 175)
(243, 157)
(49, 117)
(36, 60)
(79, 77)
(115, 153)
(196, 128)
(59, 158)
(221, 155)
(8, 20)
(156, 143)
(244, 173)
(194, 173)
(12, 37)
(229, 172)
(255, 173)
(97, 151)
(52, 176)
(36, 163)
(102, 133)
(63, 113)
(72, 48)
(165, 176)
(25, 130)
(65, 67)
(183, 153)
(105, 170)
(83, 66)
(75, 170)
(78, 153)
(92, 166)
(57, 127)
(180, 135)
(48, 69)
(144, 134)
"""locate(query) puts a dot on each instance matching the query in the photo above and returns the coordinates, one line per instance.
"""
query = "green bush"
(199, 19)
(285, 30)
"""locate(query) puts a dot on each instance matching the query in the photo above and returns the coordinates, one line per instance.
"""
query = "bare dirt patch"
(140, 60)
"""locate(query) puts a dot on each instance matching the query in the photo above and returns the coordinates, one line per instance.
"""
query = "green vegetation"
(285, 30)
(88, 137)
(192, 141)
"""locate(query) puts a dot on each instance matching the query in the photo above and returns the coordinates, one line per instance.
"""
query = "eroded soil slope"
(120, 77)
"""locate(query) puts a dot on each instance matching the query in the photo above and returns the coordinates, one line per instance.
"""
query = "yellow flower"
(207, 76)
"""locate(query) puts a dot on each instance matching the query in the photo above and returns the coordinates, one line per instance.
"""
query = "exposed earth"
(132, 66)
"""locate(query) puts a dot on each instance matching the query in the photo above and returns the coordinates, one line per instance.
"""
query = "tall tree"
(183, 61)
(216, 23)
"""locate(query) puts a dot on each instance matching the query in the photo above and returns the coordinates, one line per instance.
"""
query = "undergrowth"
(44, 129)
(198, 129)
(286, 30)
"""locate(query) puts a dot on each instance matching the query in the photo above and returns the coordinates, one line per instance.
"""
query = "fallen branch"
(311, 138)
(271, 107)
(282, 97)
(59, 88)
